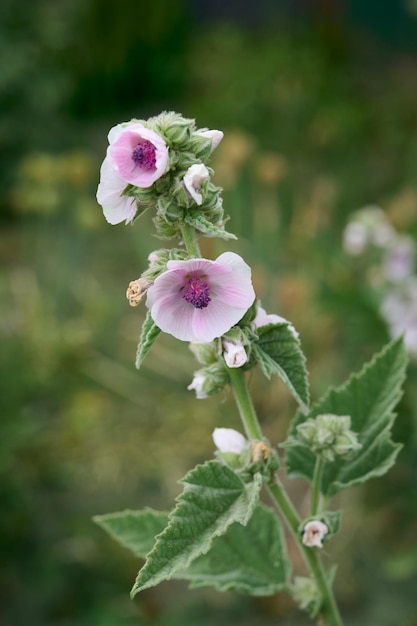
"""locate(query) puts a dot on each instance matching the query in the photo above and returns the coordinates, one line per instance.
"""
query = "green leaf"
(150, 332)
(278, 351)
(135, 530)
(249, 559)
(369, 397)
(214, 497)
(199, 222)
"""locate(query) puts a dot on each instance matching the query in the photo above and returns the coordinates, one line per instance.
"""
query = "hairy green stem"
(281, 500)
(244, 403)
(310, 555)
(190, 241)
(317, 478)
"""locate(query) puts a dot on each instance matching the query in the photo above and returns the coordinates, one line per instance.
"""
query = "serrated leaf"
(135, 530)
(369, 397)
(199, 222)
(278, 351)
(249, 559)
(214, 497)
(149, 333)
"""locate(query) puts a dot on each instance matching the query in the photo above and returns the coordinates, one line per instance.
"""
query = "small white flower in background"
(229, 440)
(399, 309)
(234, 353)
(369, 226)
(355, 238)
(197, 384)
(194, 177)
(399, 260)
(313, 534)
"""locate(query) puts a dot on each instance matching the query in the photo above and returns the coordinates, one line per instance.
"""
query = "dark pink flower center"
(143, 154)
(196, 292)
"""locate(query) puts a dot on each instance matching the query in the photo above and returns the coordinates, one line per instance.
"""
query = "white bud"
(234, 353)
(215, 135)
(313, 534)
(229, 440)
(197, 384)
(194, 177)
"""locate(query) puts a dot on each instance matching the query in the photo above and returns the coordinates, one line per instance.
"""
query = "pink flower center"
(196, 292)
(143, 154)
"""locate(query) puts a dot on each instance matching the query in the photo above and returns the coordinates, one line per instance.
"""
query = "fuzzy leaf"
(199, 222)
(278, 351)
(135, 530)
(249, 559)
(369, 397)
(150, 332)
(213, 498)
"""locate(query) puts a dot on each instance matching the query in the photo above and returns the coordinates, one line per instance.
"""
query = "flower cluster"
(389, 259)
(161, 164)
(328, 436)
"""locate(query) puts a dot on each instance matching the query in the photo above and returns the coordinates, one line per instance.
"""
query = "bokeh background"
(318, 102)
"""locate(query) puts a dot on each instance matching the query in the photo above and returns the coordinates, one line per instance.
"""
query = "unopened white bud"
(313, 534)
(229, 440)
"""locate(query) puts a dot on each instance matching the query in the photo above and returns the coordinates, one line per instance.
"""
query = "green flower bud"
(205, 353)
(209, 380)
(328, 436)
(306, 595)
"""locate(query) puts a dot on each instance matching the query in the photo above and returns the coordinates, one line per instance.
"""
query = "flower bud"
(328, 436)
(313, 534)
(209, 381)
(234, 353)
(205, 353)
(229, 440)
(194, 180)
(306, 595)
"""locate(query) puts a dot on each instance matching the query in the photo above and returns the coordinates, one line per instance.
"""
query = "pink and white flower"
(116, 207)
(200, 299)
(194, 177)
(137, 154)
(263, 318)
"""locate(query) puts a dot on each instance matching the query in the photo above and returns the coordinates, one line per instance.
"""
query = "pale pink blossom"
(116, 206)
(263, 318)
(234, 353)
(137, 154)
(200, 299)
(229, 440)
(214, 135)
(194, 177)
(313, 534)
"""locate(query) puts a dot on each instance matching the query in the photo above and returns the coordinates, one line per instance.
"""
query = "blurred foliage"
(319, 120)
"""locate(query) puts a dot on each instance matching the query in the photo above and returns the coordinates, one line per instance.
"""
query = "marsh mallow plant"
(343, 439)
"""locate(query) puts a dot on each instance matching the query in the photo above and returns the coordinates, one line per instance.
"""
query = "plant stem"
(310, 555)
(244, 403)
(281, 500)
(190, 241)
(318, 473)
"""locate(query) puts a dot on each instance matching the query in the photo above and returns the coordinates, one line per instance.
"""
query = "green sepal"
(149, 333)
(214, 497)
(369, 397)
(248, 559)
(204, 226)
(278, 351)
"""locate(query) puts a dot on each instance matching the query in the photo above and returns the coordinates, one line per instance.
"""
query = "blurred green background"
(318, 102)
